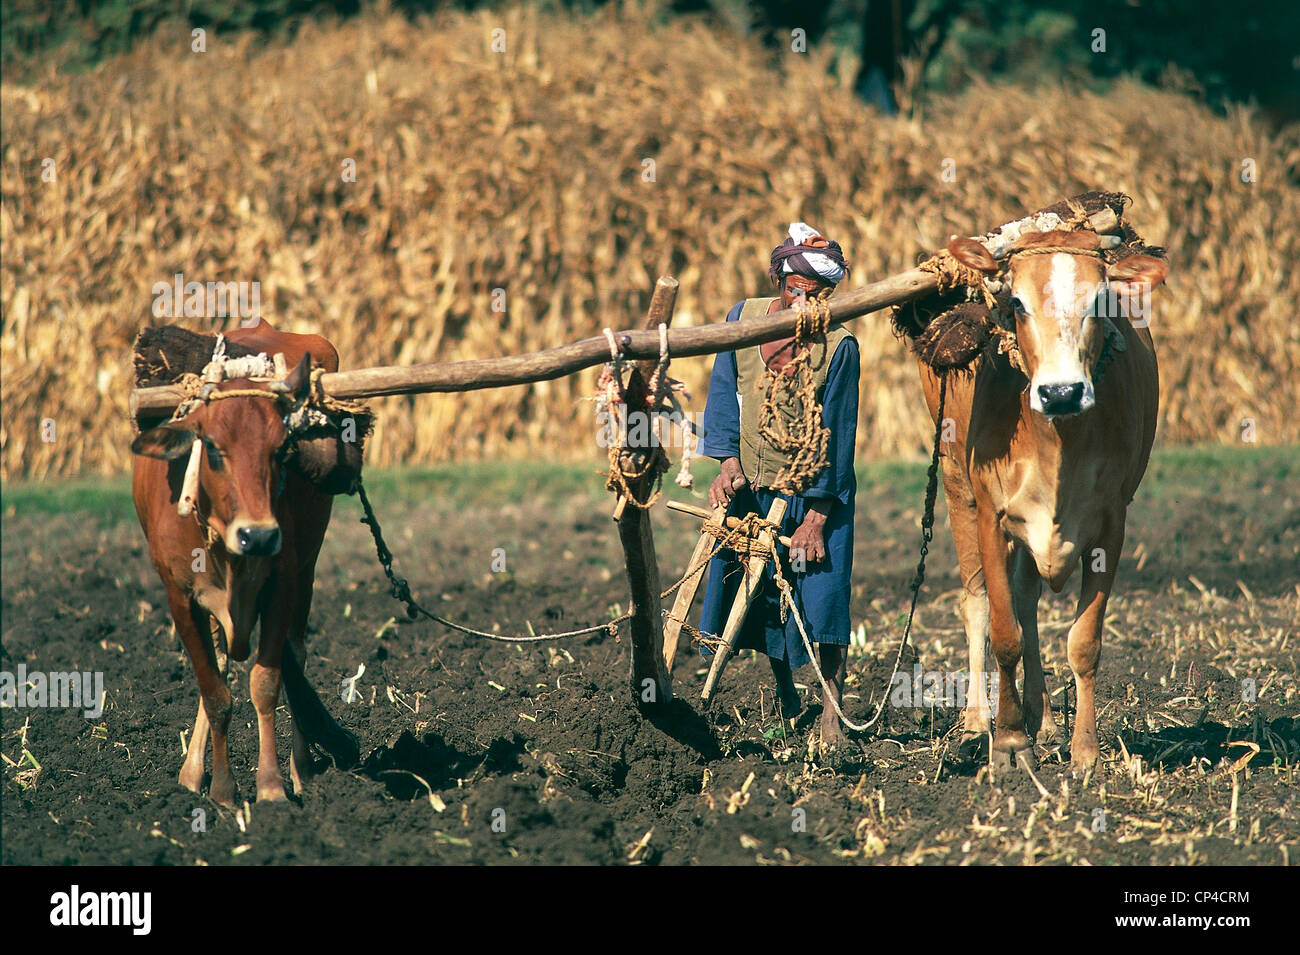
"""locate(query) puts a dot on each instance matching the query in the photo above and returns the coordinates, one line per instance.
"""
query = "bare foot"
(832, 731)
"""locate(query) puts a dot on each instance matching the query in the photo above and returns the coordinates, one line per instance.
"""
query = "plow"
(948, 311)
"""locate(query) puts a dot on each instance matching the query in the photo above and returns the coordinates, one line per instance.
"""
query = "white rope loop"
(787, 599)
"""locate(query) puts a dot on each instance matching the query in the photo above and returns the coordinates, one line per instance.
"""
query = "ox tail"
(311, 716)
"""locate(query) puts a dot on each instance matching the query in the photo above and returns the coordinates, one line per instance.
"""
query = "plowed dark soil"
(478, 752)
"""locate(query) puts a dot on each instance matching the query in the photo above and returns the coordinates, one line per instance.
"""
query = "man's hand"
(727, 483)
(808, 538)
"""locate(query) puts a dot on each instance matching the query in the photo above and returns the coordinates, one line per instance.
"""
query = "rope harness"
(200, 390)
(661, 398)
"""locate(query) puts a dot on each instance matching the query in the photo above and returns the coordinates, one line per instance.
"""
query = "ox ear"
(969, 252)
(167, 442)
(1138, 270)
(298, 384)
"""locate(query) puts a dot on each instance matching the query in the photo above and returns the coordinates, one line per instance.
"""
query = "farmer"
(819, 521)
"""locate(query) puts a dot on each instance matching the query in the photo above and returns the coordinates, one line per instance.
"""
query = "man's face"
(800, 288)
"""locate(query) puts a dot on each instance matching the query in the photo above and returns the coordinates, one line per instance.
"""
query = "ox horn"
(298, 382)
(190, 486)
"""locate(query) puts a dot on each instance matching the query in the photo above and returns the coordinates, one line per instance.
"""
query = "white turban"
(828, 265)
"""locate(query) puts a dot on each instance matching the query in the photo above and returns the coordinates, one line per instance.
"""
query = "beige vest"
(758, 459)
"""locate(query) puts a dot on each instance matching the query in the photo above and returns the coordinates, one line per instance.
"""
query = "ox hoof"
(270, 787)
(222, 792)
(1022, 758)
(1006, 746)
(1083, 753)
(1053, 743)
(1027, 759)
(1050, 736)
(297, 778)
(973, 745)
(1081, 765)
(190, 778)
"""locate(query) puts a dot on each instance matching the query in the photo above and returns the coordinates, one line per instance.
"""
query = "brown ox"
(257, 559)
(1042, 468)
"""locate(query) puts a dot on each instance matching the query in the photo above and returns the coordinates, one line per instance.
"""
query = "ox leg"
(311, 518)
(1027, 587)
(974, 602)
(1004, 633)
(1085, 641)
(975, 621)
(194, 629)
(192, 769)
(264, 688)
(301, 764)
(264, 681)
(191, 776)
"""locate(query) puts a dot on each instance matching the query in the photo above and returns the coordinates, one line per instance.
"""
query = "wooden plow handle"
(686, 592)
(744, 597)
(716, 516)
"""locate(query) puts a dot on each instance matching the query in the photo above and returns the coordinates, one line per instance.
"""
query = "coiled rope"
(804, 440)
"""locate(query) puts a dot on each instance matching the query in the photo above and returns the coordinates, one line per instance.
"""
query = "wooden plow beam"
(652, 683)
(476, 374)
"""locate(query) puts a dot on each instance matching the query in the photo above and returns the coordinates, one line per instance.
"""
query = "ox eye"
(215, 460)
(1017, 306)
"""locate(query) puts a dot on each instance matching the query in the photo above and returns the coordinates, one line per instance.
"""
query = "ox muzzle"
(1062, 399)
(253, 538)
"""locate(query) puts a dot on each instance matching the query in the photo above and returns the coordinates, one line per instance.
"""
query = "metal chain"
(401, 590)
(927, 535)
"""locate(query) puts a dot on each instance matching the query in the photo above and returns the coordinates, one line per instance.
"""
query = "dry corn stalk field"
(570, 171)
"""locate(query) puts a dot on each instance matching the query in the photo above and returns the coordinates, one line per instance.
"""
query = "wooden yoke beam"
(709, 339)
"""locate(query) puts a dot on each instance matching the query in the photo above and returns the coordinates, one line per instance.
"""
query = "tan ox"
(1042, 469)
